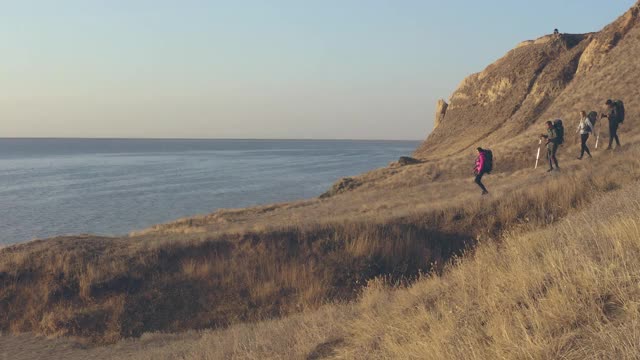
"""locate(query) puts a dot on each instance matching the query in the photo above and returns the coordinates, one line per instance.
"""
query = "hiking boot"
(608, 148)
(579, 158)
(550, 170)
(485, 192)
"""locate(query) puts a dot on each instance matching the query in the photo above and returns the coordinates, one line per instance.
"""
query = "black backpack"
(619, 110)
(488, 161)
(593, 118)
(559, 131)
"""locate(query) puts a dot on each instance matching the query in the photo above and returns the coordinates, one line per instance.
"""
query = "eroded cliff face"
(607, 39)
(441, 111)
(522, 88)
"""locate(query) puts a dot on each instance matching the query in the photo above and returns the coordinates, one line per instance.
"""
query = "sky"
(331, 69)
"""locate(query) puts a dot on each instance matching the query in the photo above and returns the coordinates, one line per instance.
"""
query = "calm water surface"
(54, 187)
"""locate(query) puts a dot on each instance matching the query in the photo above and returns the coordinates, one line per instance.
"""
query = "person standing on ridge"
(480, 169)
(552, 145)
(584, 129)
(614, 122)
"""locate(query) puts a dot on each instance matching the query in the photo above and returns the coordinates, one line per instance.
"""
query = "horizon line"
(190, 139)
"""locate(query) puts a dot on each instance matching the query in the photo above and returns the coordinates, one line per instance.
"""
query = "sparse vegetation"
(107, 289)
(527, 290)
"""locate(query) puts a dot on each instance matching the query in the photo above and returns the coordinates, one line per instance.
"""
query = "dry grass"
(565, 292)
(310, 335)
(106, 289)
(568, 290)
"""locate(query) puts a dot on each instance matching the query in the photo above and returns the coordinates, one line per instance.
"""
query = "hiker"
(584, 129)
(481, 168)
(556, 32)
(615, 119)
(553, 140)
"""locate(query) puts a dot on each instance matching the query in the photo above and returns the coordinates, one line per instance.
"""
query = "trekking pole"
(598, 134)
(538, 155)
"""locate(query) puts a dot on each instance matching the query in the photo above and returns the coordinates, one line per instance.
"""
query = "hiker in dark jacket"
(614, 122)
(479, 169)
(552, 145)
(584, 128)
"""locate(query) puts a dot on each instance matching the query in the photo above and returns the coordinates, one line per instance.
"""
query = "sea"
(52, 187)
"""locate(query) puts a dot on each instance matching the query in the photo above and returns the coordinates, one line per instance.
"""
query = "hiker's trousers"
(552, 149)
(583, 142)
(613, 133)
(479, 180)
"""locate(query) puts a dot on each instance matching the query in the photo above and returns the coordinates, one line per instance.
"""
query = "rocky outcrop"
(441, 111)
(607, 39)
(407, 160)
(341, 186)
(404, 161)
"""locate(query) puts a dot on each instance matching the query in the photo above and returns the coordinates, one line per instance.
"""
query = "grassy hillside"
(564, 285)
(565, 292)
(107, 289)
(569, 291)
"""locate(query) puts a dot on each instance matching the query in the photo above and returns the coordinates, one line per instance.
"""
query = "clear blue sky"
(365, 69)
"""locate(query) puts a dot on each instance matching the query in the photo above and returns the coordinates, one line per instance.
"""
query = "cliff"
(552, 77)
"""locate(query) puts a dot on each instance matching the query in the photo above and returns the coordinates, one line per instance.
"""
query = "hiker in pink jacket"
(480, 169)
